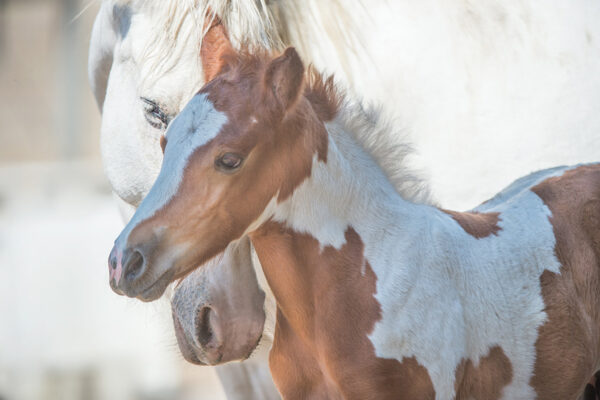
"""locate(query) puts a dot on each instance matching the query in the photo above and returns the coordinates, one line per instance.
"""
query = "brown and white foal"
(378, 297)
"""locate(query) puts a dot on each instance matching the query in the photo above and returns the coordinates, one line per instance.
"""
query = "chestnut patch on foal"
(326, 310)
(571, 298)
(476, 224)
(486, 380)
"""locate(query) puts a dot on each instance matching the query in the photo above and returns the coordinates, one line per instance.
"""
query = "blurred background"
(63, 333)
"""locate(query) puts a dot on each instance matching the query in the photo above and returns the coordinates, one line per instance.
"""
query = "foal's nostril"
(589, 392)
(134, 266)
(113, 261)
(204, 331)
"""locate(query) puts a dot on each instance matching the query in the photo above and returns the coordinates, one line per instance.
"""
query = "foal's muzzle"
(130, 275)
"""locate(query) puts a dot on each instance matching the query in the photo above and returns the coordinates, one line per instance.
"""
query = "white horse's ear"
(215, 48)
(104, 37)
(284, 79)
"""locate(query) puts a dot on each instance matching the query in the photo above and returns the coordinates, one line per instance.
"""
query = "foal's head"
(247, 138)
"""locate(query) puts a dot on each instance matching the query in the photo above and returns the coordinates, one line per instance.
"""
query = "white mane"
(259, 23)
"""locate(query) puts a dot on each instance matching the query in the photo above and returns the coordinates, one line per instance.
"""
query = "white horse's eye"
(155, 116)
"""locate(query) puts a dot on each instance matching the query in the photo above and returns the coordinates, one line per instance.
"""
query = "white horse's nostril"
(204, 331)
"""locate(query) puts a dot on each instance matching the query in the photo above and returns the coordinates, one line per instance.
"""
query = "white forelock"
(255, 24)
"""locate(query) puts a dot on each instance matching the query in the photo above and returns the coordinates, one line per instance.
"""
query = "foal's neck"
(348, 190)
(346, 195)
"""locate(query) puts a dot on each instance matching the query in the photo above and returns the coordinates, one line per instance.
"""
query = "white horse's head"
(139, 87)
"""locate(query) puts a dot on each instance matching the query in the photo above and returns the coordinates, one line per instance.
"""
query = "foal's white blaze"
(196, 125)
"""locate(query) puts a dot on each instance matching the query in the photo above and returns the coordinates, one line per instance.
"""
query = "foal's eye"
(155, 116)
(228, 162)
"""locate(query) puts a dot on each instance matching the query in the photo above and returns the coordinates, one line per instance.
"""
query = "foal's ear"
(284, 79)
(215, 47)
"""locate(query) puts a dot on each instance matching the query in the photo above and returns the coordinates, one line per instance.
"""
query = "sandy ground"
(63, 333)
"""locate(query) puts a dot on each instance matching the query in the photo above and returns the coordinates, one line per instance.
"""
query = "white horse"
(493, 90)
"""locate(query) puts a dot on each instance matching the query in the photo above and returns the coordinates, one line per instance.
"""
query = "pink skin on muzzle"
(115, 267)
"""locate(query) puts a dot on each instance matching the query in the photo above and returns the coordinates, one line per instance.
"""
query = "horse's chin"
(150, 292)
(219, 356)
(155, 291)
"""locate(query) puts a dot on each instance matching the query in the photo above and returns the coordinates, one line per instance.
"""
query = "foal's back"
(568, 343)
(572, 297)
(518, 281)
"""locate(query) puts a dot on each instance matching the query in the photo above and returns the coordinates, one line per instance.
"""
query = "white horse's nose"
(208, 334)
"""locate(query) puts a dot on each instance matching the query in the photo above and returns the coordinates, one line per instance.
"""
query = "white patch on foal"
(445, 310)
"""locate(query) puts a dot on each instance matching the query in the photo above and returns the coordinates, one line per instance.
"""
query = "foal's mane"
(379, 136)
(371, 130)
(366, 124)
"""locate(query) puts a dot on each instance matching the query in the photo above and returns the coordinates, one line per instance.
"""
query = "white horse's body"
(487, 91)
(490, 91)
